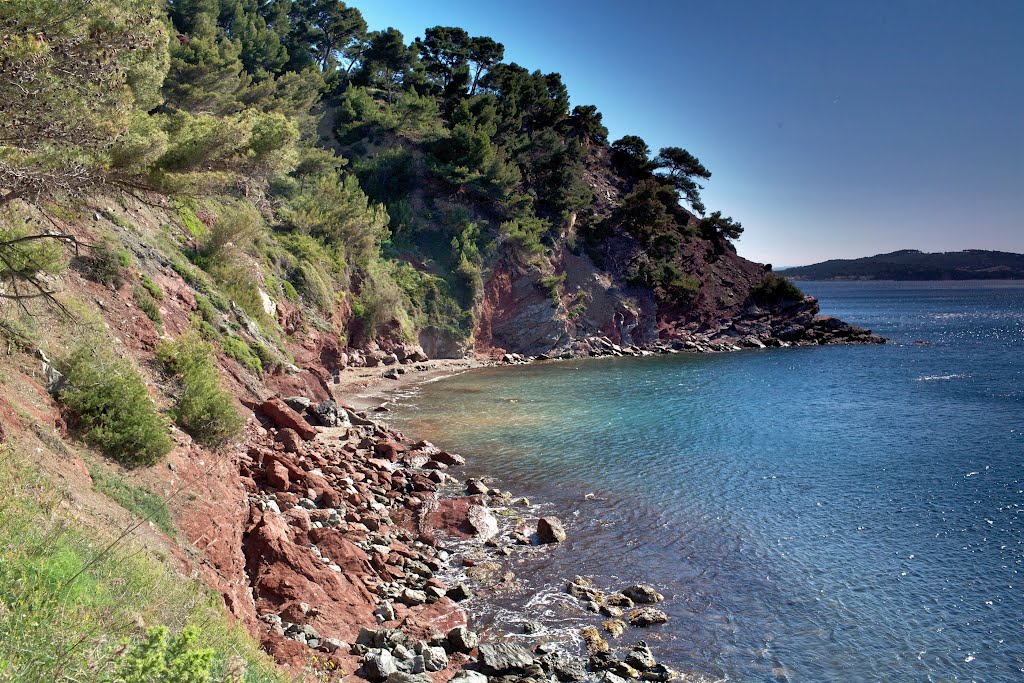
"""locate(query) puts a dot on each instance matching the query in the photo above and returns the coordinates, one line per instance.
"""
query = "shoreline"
(608, 645)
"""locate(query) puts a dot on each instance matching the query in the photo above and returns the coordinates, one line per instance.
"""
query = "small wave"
(935, 378)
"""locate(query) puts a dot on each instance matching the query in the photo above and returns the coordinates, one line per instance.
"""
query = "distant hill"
(911, 264)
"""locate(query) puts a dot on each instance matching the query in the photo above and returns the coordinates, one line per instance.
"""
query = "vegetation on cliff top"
(452, 157)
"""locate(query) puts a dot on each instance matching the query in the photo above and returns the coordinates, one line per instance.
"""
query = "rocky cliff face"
(519, 315)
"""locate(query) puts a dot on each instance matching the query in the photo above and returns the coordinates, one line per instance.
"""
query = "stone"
(434, 658)
(379, 664)
(385, 612)
(277, 475)
(640, 657)
(615, 627)
(504, 658)
(333, 645)
(593, 640)
(329, 414)
(461, 591)
(619, 600)
(610, 611)
(659, 673)
(643, 594)
(584, 589)
(283, 417)
(531, 627)
(467, 676)
(403, 677)
(297, 403)
(647, 616)
(483, 521)
(291, 441)
(391, 374)
(413, 597)
(475, 487)
(462, 640)
(564, 666)
(550, 530)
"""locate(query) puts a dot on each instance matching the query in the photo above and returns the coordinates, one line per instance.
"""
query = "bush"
(204, 409)
(153, 288)
(551, 283)
(109, 403)
(148, 305)
(161, 658)
(236, 348)
(774, 290)
(139, 501)
(105, 264)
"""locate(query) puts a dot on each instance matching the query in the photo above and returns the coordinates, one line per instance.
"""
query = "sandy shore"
(367, 388)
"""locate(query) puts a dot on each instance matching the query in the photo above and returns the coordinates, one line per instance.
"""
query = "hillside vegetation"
(207, 205)
(910, 264)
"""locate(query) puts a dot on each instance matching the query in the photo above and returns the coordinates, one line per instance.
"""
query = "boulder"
(505, 658)
(550, 530)
(291, 441)
(329, 414)
(378, 665)
(461, 639)
(403, 677)
(643, 594)
(647, 616)
(467, 676)
(640, 657)
(483, 522)
(434, 658)
(615, 627)
(283, 417)
(593, 640)
(277, 475)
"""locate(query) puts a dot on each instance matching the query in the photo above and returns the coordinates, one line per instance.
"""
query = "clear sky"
(832, 129)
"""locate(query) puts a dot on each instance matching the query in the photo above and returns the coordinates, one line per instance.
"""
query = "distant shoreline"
(912, 265)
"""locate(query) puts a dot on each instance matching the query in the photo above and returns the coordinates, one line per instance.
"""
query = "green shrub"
(204, 409)
(772, 290)
(206, 310)
(148, 305)
(551, 283)
(161, 658)
(109, 403)
(152, 287)
(104, 265)
(124, 258)
(139, 501)
(240, 351)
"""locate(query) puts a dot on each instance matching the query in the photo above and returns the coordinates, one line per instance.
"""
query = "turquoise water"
(819, 514)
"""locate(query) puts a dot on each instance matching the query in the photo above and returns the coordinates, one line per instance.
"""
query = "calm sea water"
(820, 514)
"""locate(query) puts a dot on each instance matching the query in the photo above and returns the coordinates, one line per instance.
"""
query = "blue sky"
(833, 130)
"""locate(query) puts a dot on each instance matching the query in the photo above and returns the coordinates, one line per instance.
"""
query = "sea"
(835, 513)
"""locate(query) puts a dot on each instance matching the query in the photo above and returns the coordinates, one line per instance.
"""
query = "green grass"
(152, 287)
(79, 605)
(142, 502)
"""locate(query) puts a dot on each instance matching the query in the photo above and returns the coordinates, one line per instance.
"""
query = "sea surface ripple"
(818, 514)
